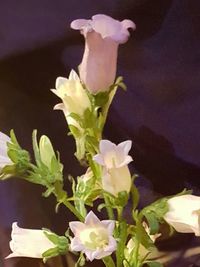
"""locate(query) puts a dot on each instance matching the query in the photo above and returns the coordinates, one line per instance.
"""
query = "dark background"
(159, 112)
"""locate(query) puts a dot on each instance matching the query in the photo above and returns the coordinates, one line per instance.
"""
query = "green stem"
(108, 261)
(108, 208)
(73, 210)
(135, 262)
(119, 213)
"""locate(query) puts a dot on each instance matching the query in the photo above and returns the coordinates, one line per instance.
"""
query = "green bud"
(46, 150)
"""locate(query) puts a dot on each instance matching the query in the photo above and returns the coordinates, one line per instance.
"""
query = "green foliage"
(134, 193)
(20, 158)
(154, 214)
(61, 245)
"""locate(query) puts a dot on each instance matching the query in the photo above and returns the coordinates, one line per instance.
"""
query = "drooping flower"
(116, 176)
(74, 97)
(93, 237)
(28, 242)
(184, 214)
(102, 34)
(4, 158)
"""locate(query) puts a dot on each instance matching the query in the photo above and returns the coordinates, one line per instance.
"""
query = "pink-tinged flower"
(184, 214)
(74, 96)
(103, 34)
(93, 237)
(28, 242)
(112, 155)
(4, 159)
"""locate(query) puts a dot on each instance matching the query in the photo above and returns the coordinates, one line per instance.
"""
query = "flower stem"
(108, 261)
(108, 208)
(73, 210)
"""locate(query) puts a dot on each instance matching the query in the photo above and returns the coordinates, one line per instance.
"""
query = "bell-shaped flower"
(114, 158)
(184, 214)
(102, 35)
(74, 97)
(112, 155)
(28, 242)
(116, 180)
(4, 158)
(93, 237)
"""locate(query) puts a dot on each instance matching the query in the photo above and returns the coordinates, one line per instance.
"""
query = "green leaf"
(81, 261)
(13, 138)
(152, 222)
(36, 147)
(77, 118)
(143, 237)
(52, 252)
(75, 131)
(158, 209)
(101, 99)
(134, 193)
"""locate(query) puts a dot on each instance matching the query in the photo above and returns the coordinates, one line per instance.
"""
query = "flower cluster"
(85, 104)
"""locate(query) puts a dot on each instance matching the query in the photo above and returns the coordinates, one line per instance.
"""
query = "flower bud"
(102, 35)
(46, 150)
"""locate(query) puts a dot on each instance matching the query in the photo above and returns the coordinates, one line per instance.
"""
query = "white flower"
(103, 34)
(93, 237)
(4, 159)
(184, 214)
(28, 242)
(114, 159)
(73, 95)
(116, 180)
(112, 155)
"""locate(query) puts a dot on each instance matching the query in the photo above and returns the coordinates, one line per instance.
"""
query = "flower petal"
(109, 225)
(76, 227)
(125, 146)
(76, 244)
(91, 219)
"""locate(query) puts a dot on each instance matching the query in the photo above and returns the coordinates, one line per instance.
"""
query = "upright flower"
(93, 237)
(103, 34)
(28, 242)
(4, 159)
(115, 159)
(73, 95)
(184, 214)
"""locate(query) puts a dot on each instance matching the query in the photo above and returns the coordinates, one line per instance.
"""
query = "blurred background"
(159, 112)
